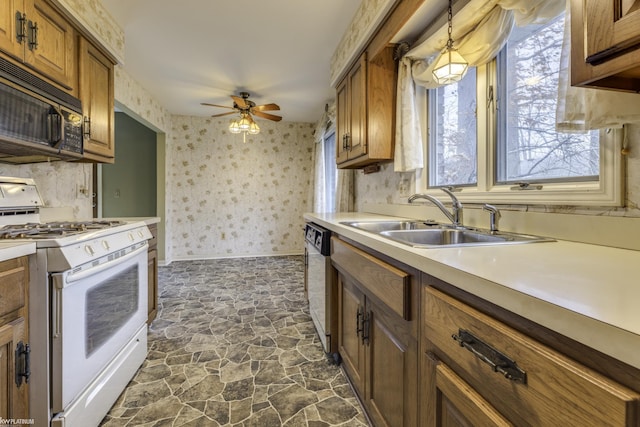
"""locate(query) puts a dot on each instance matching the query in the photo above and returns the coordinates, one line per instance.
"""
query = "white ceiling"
(192, 51)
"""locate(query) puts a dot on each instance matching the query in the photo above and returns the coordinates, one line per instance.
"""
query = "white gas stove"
(87, 307)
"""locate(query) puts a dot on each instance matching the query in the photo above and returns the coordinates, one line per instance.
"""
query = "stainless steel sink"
(447, 237)
(433, 235)
(380, 226)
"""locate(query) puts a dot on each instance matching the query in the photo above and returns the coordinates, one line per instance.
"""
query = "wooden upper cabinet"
(51, 48)
(352, 113)
(611, 27)
(605, 39)
(366, 111)
(12, 40)
(34, 34)
(97, 95)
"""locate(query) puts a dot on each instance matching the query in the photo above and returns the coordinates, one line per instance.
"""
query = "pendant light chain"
(450, 29)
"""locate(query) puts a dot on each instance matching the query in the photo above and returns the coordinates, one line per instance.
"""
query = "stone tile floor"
(233, 345)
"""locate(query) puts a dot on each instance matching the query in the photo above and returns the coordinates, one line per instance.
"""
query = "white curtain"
(318, 189)
(345, 196)
(480, 30)
(582, 109)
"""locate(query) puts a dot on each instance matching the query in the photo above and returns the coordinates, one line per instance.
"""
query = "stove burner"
(32, 230)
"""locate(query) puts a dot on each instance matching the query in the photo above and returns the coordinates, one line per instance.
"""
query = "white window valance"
(480, 30)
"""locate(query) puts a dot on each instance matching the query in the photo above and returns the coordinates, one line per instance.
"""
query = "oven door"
(96, 312)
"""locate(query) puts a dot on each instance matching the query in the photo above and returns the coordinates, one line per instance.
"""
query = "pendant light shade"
(450, 66)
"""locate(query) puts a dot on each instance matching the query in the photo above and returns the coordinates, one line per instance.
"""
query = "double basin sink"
(432, 235)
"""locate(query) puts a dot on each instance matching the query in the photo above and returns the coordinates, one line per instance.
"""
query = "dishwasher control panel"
(319, 237)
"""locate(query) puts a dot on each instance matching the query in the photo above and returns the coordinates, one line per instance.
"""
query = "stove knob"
(88, 249)
(105, 244)
(131, 237)
(140, 233)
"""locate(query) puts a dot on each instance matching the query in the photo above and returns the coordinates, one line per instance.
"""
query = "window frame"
(607, 191)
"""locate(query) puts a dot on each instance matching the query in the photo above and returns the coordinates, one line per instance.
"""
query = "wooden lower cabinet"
(14, 335)
(478, 370)
(378, 346)
(450, 402)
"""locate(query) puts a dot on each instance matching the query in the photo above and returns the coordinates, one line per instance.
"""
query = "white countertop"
(586, 292)
(10, 250)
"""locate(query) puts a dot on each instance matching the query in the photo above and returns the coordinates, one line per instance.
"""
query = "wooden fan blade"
(215, 105)
(267, 116)
(266, 107)
(239, 101)
(224, 114)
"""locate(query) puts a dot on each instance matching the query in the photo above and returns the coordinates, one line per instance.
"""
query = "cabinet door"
(10, 28)
(152, 307)
(343, 121)
(357, 142)
(351, 311)
(453, 403)
(392, 384)
(51, 48)
(14, 399)
(611, 27)
(96, 93)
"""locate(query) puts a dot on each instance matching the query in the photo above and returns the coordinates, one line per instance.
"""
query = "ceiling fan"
(243, 105)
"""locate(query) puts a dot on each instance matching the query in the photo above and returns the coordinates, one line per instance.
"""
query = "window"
(493, 133)
(330, 171)
(529, 148)
(453, 141)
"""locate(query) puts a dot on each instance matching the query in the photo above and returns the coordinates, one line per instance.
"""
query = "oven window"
(110, 305)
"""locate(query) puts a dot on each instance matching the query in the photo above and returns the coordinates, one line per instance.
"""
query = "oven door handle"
(83, 274)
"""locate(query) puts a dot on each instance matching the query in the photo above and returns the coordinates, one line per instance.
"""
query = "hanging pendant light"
(450, 66)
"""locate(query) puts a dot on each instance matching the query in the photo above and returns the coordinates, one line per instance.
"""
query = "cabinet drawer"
(554, 390)
(384, 281)
(14, 276)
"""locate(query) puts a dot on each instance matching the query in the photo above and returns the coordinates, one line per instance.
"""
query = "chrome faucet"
(494, 216)
(455, 216)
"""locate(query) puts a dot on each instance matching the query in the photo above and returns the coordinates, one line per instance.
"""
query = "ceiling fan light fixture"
(245, 123)
(234, 126)
(254, 129)
(450, 67)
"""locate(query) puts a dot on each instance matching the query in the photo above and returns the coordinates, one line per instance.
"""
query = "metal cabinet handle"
(21, 27)
(496, 360)
(22, 362)
(348, 140)
(87, 127)
(366, 325)
(359, 322)
(33, 35)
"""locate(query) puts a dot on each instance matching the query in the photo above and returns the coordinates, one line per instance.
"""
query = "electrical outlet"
(81, 191)
(404, 186)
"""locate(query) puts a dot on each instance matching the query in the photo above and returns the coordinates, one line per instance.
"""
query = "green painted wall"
(129, 185)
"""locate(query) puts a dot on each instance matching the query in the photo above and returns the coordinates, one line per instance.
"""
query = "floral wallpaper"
(231, 198)
(95, 19)
(368, 15)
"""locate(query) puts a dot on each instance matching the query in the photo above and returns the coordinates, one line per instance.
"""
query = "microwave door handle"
(57, 125)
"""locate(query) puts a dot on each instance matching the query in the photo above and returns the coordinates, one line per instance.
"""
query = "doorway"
(128, 186)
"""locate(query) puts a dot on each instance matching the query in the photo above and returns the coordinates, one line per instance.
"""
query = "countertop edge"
(615, 341)
(16, 250)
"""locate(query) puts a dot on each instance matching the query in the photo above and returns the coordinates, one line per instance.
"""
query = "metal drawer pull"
(498, 361)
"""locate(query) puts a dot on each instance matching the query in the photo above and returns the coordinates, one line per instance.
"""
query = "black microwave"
(38, 121)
